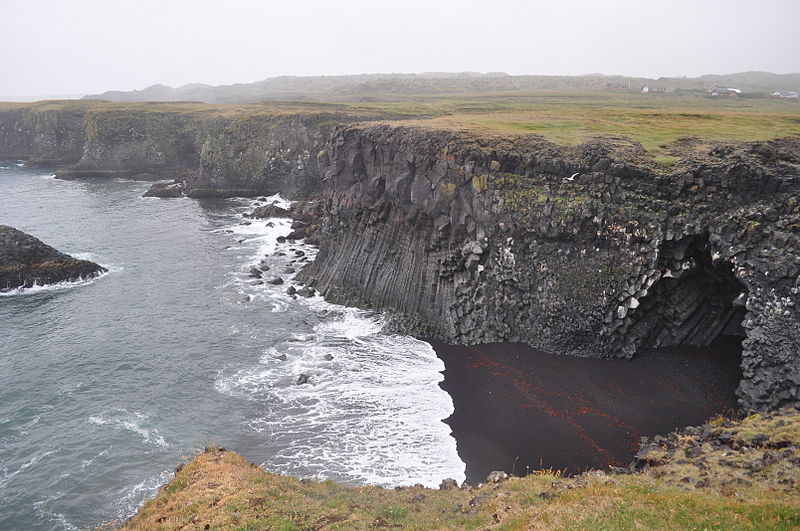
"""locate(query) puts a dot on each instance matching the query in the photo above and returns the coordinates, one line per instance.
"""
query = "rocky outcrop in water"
(592, 251)
(26, 261)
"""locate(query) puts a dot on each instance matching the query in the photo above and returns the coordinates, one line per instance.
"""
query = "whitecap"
(130, 499)
(55, 287)
(133, 422)
(6, 476)
(372, 410)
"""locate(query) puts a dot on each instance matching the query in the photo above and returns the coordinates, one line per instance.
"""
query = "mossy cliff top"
(723, 475)
(565, 117)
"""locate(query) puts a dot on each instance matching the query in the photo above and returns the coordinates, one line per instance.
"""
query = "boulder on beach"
(26, 261)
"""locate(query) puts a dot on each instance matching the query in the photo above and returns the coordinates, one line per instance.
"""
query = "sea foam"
(371, 411)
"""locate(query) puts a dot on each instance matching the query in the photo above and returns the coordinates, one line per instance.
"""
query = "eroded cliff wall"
(594, 250)
(591, 251)
(211, 151)
(43, 136)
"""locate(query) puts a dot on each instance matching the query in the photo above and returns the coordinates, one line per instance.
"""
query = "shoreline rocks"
(26, 261)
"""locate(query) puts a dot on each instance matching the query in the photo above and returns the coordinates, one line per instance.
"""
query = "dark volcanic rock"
(165, 190)
(269, 211)
(306, 292)
(26, 261)
(591, 251)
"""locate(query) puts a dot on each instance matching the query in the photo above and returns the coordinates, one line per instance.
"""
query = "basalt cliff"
(241, 151)
(592, 250)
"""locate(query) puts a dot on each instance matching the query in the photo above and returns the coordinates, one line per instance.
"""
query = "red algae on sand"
(519, 409)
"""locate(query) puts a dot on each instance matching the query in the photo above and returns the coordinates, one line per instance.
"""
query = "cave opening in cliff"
(696, 302)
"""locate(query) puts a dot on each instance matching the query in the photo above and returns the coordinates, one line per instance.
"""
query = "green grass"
(221, 490)
(563, 117)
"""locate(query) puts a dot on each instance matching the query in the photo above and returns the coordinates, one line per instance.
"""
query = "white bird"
(572, 177)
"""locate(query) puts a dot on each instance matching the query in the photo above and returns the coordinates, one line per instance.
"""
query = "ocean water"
(107, 385)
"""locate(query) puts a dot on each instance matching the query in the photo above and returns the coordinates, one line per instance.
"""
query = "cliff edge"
(725, 474)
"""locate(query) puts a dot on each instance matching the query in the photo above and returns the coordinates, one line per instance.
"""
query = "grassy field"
(570, 118)
(655, 120)
(750, 481)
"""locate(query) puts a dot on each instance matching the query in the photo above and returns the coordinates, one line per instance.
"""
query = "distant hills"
(389, 87)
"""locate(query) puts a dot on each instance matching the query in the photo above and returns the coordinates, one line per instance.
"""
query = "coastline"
(518, 409)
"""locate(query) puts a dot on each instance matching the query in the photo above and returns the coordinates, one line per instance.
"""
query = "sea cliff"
(597, 249)
(212, 152)
(593, 250)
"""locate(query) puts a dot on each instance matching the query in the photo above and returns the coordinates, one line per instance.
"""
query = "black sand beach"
(518, 409)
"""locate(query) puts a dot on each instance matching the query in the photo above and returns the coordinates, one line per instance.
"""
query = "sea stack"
(26, 261)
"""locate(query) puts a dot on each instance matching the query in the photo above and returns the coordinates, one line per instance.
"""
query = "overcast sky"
(59, 47)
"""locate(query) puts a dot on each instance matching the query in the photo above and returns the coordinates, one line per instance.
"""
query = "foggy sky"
(59, 47)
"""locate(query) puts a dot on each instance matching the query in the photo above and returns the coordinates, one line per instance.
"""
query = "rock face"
(213, 153)
(26, 261)
(590, 251)
(43, 136)
(594, 250)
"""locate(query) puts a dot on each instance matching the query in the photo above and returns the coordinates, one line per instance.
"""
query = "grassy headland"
(654, 120)
(724, 475)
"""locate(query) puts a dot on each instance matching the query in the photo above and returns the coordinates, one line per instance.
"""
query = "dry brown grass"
(220, 490)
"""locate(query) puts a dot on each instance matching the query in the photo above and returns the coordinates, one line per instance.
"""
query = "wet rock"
(256, 272)
(291, 290)
(25, 261)
(239, 297)
(306, 292)
(275, 281)
(165, 190)
(303, 379)
(269, 211)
